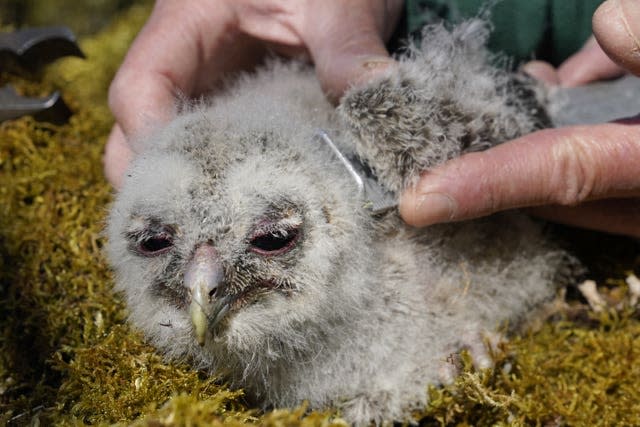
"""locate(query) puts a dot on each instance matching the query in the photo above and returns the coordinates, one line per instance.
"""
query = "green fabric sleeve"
(523, 29)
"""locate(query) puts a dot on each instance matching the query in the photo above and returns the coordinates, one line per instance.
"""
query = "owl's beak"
(203, 277)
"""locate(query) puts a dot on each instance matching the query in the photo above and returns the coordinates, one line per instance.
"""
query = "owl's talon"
(449, 369)
(480, 345)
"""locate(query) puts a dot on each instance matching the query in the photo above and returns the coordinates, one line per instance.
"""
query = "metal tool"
(27, 51)
(378, 199)
(51, 109)
(597, 102)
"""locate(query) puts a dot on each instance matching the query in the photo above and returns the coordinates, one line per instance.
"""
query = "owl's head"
(229, 237)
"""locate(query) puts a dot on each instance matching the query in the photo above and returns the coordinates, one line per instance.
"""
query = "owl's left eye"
(274, 242)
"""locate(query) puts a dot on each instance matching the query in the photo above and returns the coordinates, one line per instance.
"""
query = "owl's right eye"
(155, 245)
(154, 240)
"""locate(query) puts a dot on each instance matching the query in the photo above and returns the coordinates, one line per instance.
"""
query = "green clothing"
(550, 30)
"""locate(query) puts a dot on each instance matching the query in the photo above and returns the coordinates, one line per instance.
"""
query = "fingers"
(347, 44)
(183, 50)
(564, 166)
(143, 92)
(345, 39)
(616, 26)
(542, 71)
(117, 155)
(587, 65)
(157, 67)
(618, 216)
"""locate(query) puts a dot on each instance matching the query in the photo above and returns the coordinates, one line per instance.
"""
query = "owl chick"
(243, 246)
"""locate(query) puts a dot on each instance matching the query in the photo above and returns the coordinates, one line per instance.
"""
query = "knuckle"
(117, 92)
(573, 174)
(491, 194)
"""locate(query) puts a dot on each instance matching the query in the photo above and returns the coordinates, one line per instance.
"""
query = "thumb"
(616, 26)
(565, 166)
(347, 43)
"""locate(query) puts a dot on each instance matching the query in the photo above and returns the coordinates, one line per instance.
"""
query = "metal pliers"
(29, 50)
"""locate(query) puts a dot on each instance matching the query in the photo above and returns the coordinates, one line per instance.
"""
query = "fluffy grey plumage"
(444, 100)
(235, 229)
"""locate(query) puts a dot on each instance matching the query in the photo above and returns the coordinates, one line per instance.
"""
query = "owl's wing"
(446, 97)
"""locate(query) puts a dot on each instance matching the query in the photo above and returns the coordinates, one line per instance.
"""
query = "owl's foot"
(480, 345)
(376, 408)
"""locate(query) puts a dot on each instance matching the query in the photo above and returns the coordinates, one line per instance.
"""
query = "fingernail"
(376, 62)
(542, 71)
(433, 208)
(374, 66)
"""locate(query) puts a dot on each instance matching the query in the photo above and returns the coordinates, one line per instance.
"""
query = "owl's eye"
(155, 245)
(156, 239)
(274, 242)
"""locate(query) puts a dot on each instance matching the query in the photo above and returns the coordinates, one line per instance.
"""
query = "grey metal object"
(378, 199)
(28, 50)
(35, 47)
(50, 109)
(597, 102)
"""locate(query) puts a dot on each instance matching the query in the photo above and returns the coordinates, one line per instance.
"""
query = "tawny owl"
(243, 245)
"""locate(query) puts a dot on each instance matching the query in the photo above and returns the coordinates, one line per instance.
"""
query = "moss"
(579, 376)
(563, 374)
(67, 356)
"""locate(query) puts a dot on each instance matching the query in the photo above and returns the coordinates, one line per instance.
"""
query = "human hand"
(186, 47)
(588, 65)
(588, 176)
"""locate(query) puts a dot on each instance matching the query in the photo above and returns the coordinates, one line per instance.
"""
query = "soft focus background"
(67, 356)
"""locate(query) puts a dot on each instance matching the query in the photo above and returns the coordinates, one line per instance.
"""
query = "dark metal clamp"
(30, 49)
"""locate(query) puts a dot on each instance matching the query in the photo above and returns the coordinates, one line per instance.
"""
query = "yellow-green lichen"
(68, 357)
